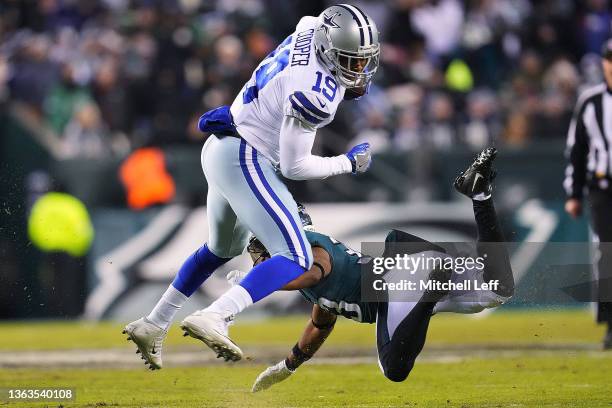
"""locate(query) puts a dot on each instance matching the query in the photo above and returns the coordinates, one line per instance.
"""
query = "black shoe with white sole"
(476, 181)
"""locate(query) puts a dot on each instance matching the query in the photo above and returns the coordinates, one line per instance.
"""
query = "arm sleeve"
(576, 153)
(297, 137)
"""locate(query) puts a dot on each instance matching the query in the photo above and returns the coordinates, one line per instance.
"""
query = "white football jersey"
(289, 81)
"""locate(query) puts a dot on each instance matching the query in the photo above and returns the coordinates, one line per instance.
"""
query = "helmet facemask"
(354, 70)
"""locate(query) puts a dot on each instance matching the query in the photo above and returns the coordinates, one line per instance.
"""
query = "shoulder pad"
(308, 107)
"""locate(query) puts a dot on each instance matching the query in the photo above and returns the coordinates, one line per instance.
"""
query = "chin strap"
(351, 94)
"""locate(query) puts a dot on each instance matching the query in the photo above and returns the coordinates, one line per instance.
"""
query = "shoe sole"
(222, 345)
(144, 354)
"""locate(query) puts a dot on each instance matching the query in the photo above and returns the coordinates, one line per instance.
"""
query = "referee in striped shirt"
(589, 150)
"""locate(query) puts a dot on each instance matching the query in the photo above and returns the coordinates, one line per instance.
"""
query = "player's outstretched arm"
(318, 329)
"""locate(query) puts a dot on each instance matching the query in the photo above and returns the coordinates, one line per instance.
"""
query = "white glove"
(235, 277)
(271, 376)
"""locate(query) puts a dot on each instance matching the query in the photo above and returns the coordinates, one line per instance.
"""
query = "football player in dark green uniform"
(333, 285)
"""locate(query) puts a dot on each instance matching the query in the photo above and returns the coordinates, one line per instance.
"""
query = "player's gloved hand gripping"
(360, 158)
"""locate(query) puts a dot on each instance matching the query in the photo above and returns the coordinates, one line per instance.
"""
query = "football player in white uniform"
(270, 127)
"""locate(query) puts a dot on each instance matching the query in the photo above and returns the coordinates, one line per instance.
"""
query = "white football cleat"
(148, 338)
(211, 328)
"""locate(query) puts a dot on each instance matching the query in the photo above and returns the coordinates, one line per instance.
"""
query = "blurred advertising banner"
(136, 255)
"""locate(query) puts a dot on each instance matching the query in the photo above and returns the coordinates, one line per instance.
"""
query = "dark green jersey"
(340, 291)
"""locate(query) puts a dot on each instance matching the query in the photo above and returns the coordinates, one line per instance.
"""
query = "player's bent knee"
(398, 374)
(396, 369)
(396, 377)
(305, 262)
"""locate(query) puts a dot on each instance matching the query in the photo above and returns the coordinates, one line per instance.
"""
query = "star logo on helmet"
(329, 20)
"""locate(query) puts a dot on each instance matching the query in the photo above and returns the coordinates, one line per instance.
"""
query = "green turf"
(500, 328)
(566, 380)
(561, 378)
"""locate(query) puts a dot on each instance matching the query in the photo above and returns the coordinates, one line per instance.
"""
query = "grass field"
(520, 359)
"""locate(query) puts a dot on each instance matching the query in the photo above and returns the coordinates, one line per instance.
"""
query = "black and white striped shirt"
(589, 142)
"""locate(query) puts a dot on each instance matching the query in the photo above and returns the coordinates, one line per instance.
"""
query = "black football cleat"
(476, 181)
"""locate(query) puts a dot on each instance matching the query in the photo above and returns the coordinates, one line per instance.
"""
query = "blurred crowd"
(109, 76)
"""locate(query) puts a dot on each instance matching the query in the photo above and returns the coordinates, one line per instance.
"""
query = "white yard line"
(126, 358)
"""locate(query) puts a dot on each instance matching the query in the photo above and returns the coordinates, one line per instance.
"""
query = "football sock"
(231, 302)
(196, 269)
(270, 276)
(491, 242)
(164, 311)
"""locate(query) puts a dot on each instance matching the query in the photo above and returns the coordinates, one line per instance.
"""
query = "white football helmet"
(346, 40)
